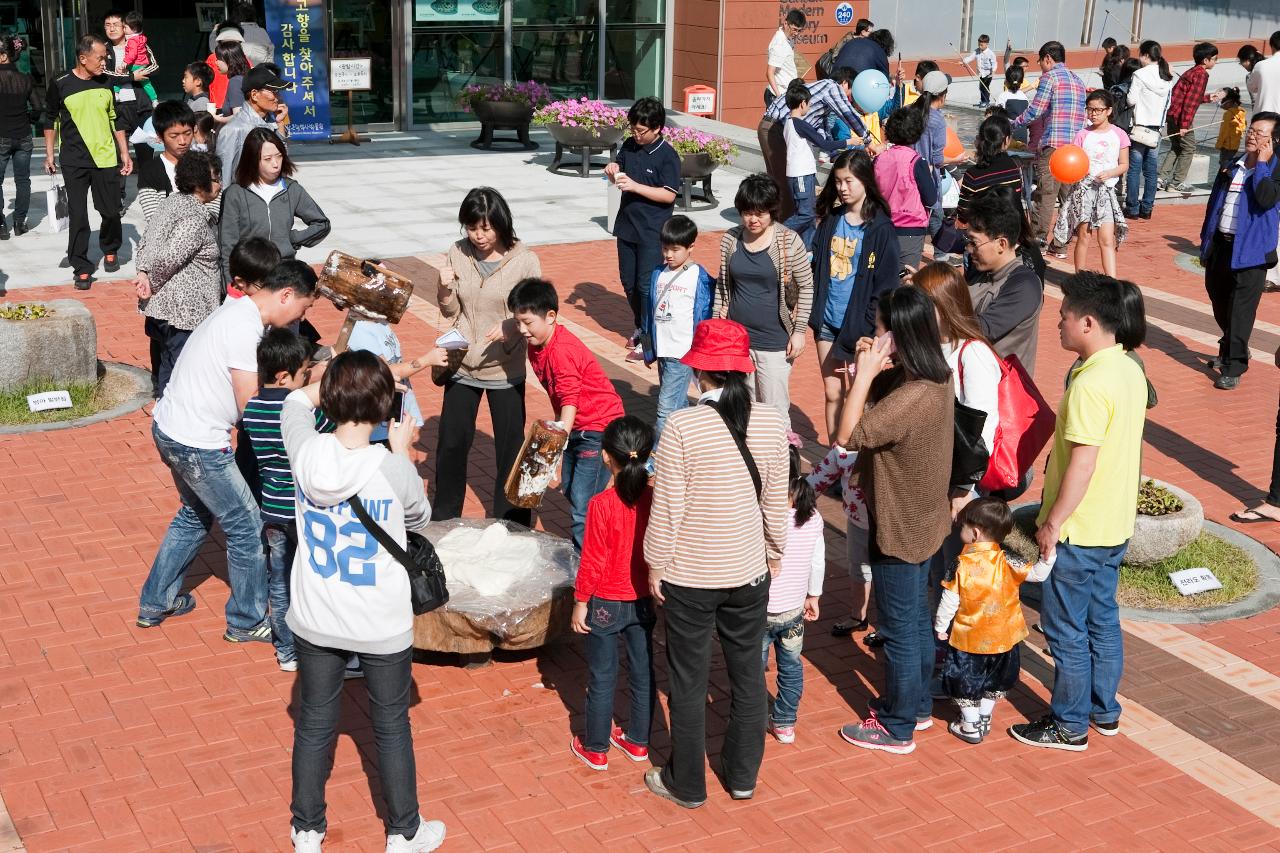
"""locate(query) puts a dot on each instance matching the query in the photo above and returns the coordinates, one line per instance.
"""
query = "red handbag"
(1025, 427)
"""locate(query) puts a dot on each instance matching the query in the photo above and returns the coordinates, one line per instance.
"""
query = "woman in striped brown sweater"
(994, 167)
(716, 534)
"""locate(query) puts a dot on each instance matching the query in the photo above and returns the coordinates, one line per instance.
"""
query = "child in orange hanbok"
(980, 592)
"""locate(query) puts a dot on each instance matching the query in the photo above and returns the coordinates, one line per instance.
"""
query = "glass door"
(365, 28)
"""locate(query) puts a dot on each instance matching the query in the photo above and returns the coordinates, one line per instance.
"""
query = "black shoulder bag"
(426, 574)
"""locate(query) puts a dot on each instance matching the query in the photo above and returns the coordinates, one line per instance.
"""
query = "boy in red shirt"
(582, 396)
(1185, 98)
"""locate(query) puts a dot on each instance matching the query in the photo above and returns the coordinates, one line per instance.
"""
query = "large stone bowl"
(1158, 537)
(1155, 537)
(61, 347)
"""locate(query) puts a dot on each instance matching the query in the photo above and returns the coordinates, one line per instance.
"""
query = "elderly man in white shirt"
(781, 64)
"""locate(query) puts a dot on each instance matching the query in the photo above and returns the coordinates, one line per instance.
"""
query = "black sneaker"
(111, 262)
(1110, 729)
(19, 227)
(1047, 733)
(83, 281)
(4, 228)
(1226, 383)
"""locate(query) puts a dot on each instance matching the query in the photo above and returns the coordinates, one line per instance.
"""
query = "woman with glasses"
(179, 281)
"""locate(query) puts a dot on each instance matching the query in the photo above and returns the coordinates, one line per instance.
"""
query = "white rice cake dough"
(489, 560)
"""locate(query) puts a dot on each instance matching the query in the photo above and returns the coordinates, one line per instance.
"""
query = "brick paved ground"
(113, 738)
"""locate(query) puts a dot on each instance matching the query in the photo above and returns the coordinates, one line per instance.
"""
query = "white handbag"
(1147, 136)
(59, 217)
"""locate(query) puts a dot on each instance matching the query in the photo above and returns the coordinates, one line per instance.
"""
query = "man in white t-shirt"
(781, 64)
(1263, 81)
(214, 377)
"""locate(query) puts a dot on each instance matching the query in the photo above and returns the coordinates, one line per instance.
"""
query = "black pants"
(132, 119)
(167, 342)
(737, 618)
(1273, 494)
(1234, 295)
(105, 186)
(453, 446)
(984, 91)
(636, 263)
(389, 680)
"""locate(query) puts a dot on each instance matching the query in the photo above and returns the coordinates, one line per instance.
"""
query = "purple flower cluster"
(688, 140)
(531, 94)
(585, 113)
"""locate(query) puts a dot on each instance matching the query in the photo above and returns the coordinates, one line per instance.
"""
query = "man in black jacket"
(18, 109)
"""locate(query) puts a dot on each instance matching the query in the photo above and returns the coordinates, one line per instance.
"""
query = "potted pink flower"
(583, 122)
(700, 152)
(503, 106)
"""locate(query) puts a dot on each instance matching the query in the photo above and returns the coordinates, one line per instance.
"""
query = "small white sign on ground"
(49, 400)
(1191, 581)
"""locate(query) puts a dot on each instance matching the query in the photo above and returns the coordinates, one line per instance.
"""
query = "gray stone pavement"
(393, 196)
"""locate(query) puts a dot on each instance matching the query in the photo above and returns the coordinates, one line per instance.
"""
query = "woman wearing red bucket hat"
(716, 533)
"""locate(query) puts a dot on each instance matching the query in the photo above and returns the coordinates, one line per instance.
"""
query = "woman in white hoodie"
(1149, 97)
(349, 594)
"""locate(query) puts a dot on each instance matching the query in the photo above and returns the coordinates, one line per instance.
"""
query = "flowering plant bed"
(531, 94)
(594, 117)
(688, 140)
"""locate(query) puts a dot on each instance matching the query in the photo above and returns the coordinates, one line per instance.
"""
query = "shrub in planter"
(688, 141)
(531, 94)
(1168, 520)
(593, 118)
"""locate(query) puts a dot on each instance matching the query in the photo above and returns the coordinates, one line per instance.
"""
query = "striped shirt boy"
(262, 423)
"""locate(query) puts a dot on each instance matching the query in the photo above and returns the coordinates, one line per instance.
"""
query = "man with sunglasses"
(1238, 244)
(262, 108)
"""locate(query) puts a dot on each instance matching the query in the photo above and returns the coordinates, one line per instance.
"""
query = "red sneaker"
(634, 751)
(594, 760)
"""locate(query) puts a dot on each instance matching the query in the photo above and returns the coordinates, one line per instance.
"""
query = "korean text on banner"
(297, 29)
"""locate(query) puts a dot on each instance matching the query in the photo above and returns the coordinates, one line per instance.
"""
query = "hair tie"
(633, 454)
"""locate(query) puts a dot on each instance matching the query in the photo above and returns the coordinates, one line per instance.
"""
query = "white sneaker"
(289, 665)
(306, 842)
(430, 836)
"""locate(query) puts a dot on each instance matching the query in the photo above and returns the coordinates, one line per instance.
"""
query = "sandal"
(1249, 516)
(846, 627)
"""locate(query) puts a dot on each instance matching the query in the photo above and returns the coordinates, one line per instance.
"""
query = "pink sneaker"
(594, 760)
(634, 751)
(783, 734)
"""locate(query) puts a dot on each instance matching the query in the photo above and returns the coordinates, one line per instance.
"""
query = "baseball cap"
(265, 76)
(935, 83)
(230, 34)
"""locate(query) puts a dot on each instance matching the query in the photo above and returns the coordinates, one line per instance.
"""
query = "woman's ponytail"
(804, 500)
(1152, 49)
(628, 441)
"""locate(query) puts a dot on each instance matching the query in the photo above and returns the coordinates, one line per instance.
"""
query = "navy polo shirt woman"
(647, 170)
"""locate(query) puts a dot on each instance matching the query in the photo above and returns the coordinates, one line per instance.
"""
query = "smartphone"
(396, 412)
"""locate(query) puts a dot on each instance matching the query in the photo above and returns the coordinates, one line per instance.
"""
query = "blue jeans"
(282, 543)
(1081, 621)
(389, 680)
(210, 487)
(1140, 180)
(584, 476)
(901, 591)
(785, 633)
(19, 151)
(634, 621)
(673, 391)
(804, 190)
(836, 128)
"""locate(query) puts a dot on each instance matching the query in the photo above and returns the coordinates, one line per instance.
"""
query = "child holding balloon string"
(1096, 161)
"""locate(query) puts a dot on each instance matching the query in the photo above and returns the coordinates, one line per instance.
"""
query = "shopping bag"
(55, 198)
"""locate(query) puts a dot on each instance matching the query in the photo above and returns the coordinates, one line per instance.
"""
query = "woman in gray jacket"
(264, 200)
(179, 283)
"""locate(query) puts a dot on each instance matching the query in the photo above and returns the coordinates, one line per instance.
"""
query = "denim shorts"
(827, 332)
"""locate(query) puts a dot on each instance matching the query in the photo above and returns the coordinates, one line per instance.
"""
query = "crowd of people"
(705, 512)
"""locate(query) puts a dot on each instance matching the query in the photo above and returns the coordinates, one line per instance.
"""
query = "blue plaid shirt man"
(825, 96)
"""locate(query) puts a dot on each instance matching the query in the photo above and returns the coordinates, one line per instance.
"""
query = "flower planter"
(503, 115)
(696, 168)
(696, 165)
(585, 142)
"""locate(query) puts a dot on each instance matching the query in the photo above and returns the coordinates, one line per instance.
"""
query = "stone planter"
(503, 115)
(585, 143)
(694, 169)
(1155, 537)
(62, 347)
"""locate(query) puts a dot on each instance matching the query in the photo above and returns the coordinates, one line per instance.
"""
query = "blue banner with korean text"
(297, 30)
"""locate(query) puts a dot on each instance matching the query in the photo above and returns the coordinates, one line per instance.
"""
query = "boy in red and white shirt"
(582, 396)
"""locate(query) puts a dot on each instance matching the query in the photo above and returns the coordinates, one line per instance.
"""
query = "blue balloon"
(871, 90)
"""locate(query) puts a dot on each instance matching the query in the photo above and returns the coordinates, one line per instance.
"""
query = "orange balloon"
(953, 147)
(1069, 164)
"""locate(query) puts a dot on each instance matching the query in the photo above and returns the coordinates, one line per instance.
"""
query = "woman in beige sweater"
(715, 537)
(900, 419)
(481, 271)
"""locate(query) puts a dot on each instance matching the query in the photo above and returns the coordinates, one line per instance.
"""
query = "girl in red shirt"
(612, 597)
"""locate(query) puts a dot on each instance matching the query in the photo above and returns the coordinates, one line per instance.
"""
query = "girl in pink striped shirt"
(793, 600)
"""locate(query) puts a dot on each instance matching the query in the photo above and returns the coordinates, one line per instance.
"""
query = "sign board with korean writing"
(297, 30)
(49, 400)
(700, 100)
(456, 10)
(351, 74)
(1191, 581)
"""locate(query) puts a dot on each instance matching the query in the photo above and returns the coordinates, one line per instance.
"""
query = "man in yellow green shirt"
(1088, 511)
